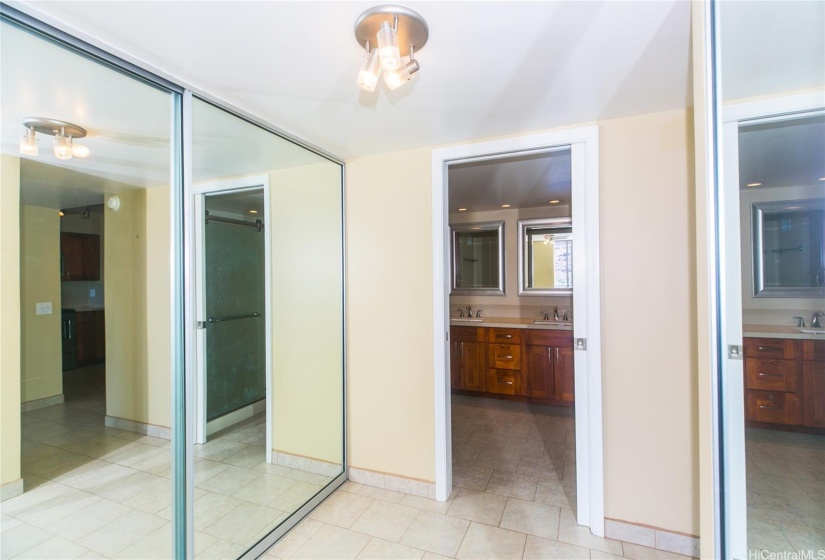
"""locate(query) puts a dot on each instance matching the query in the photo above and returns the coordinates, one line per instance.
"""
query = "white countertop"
(509, 323)
(782, 331)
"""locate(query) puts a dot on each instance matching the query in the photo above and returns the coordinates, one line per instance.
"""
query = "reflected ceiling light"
(505, 206)
(555, 201)
(60, 213)
(754, 184)
(253, 211)
(64, 134)
(386, 32)
(462, 209)
(822, 178)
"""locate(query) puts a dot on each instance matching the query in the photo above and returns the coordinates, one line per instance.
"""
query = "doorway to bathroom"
(233, 388)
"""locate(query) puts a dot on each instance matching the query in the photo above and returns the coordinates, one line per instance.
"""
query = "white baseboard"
(652, 537)
(41, 403)
(392, 482)
(11, 489)
(235, 416)
(139, 427)
(306, 464)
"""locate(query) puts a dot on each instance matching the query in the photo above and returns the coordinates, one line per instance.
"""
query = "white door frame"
(199, 191)
(584, 143)
(730, 293)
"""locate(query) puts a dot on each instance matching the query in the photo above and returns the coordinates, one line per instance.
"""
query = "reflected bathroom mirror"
(545, 248)
(789, 249)
(478, 259)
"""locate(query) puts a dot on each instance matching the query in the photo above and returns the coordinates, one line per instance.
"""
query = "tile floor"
(786, 490)
(515, 497)
(97, 492)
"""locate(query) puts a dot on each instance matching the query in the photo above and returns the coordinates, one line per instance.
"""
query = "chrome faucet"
(565, 317)
(478, 312)
(555, 313)
(469, 311)
(460, 312)
(546, 316)
(800, 322)
(815, 319)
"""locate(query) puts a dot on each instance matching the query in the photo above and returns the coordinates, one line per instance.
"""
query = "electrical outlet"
(44, 308)
(92, 292)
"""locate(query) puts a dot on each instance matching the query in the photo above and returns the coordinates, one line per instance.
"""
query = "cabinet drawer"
(467, 334)
(557, 339)
(504, 356)
(776, 348)
(504, 382)
(773, 406)
(772, 375)
(813, 350)
(506, 336)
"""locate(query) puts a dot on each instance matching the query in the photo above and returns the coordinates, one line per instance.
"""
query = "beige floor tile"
(513, 485)
(381, 494)
(522, 446)
(333, 543)
(219, 449)
(555, 493)
(478, 506)
(436, 533)
(487, 440)
(571, 532)
(155, 464)
(100, 477)
(803, 538)
(434, 556)
(427, 504)
(474, 478)
(385, 520)
(295, 497)
(244, 522)
(341, 509)
(206, 469)
(40, 495)
(221, 550)
(45, 514)
(229, 481)
(378, 549)
(497, 459)
(7, 522)
(543, 467)
(644, 553)
(22, 538)
(55, 548)
(129, 487)
(465, 455)
(542, 549)
(88, 519)
(250, 457)
(350, 487)
(157, 545)
(136, 453)
(121, 533)
(211, 506)
(531, 518)
(295, 538)
(601, 555)
(154, 498)
(264, 489)
(482, 541)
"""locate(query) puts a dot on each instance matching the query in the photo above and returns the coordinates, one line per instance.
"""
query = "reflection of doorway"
(233, 296)
(588, 412)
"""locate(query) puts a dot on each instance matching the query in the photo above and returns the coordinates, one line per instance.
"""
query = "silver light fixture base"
(53, 127)
(412, 29)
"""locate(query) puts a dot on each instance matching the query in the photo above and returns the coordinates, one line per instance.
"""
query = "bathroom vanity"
(512, 358)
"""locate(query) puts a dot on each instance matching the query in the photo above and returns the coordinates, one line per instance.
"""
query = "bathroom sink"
(468, 319)
(812, 331)
(552, 323)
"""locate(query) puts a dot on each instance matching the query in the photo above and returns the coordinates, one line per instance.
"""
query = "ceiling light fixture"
(754, 185)
(393, 30)
(64, 134)
(253, 211)
(555, 201)
(822, 178)
(505, 206)
(462, 209)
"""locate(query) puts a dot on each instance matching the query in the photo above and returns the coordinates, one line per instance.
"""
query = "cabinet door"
(472, 366)
(539, 369)
(564, 374)
(455, 365)
(91, 257)
(71, 254)
(813, 387)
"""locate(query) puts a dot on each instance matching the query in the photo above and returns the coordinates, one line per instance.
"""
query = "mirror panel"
(545, 248)
(788, 248)
(478, 259)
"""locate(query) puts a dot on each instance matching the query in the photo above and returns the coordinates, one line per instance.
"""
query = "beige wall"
(10, 325)
(648, 314)
(138, 291)
(304, 225)
(41, 374)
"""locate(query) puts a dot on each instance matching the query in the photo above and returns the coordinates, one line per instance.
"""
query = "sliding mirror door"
(268, 391)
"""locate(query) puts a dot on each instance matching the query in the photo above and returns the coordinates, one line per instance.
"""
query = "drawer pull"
(506, 382)
(508, 357)
(762, 348)
(769, 407)
(760, 374)
(504, 336)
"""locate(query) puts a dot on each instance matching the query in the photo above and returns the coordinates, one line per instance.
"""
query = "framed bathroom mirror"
(788, 243)
(545, 249)
(478, 259)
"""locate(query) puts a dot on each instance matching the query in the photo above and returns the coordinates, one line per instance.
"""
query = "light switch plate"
(44, 308)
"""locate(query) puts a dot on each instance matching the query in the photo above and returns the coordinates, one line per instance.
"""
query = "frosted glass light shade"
(62, 147)
(388, 51)
(28, 144)
(392, 79)
(397, 78)
(370, 69)
(79, 150)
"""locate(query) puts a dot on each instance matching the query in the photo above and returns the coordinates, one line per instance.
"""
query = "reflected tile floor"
(98, 492)
(514, 497)
(786, 490)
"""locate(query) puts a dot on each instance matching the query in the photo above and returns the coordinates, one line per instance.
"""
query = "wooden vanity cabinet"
(548, 367)
(467, 358)
(813, 382)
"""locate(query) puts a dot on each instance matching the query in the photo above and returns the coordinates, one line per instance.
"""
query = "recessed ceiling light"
(253, 211)
(754, 184)
(822, 178)
(505, 206)
(462, 209)
(555, 201)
